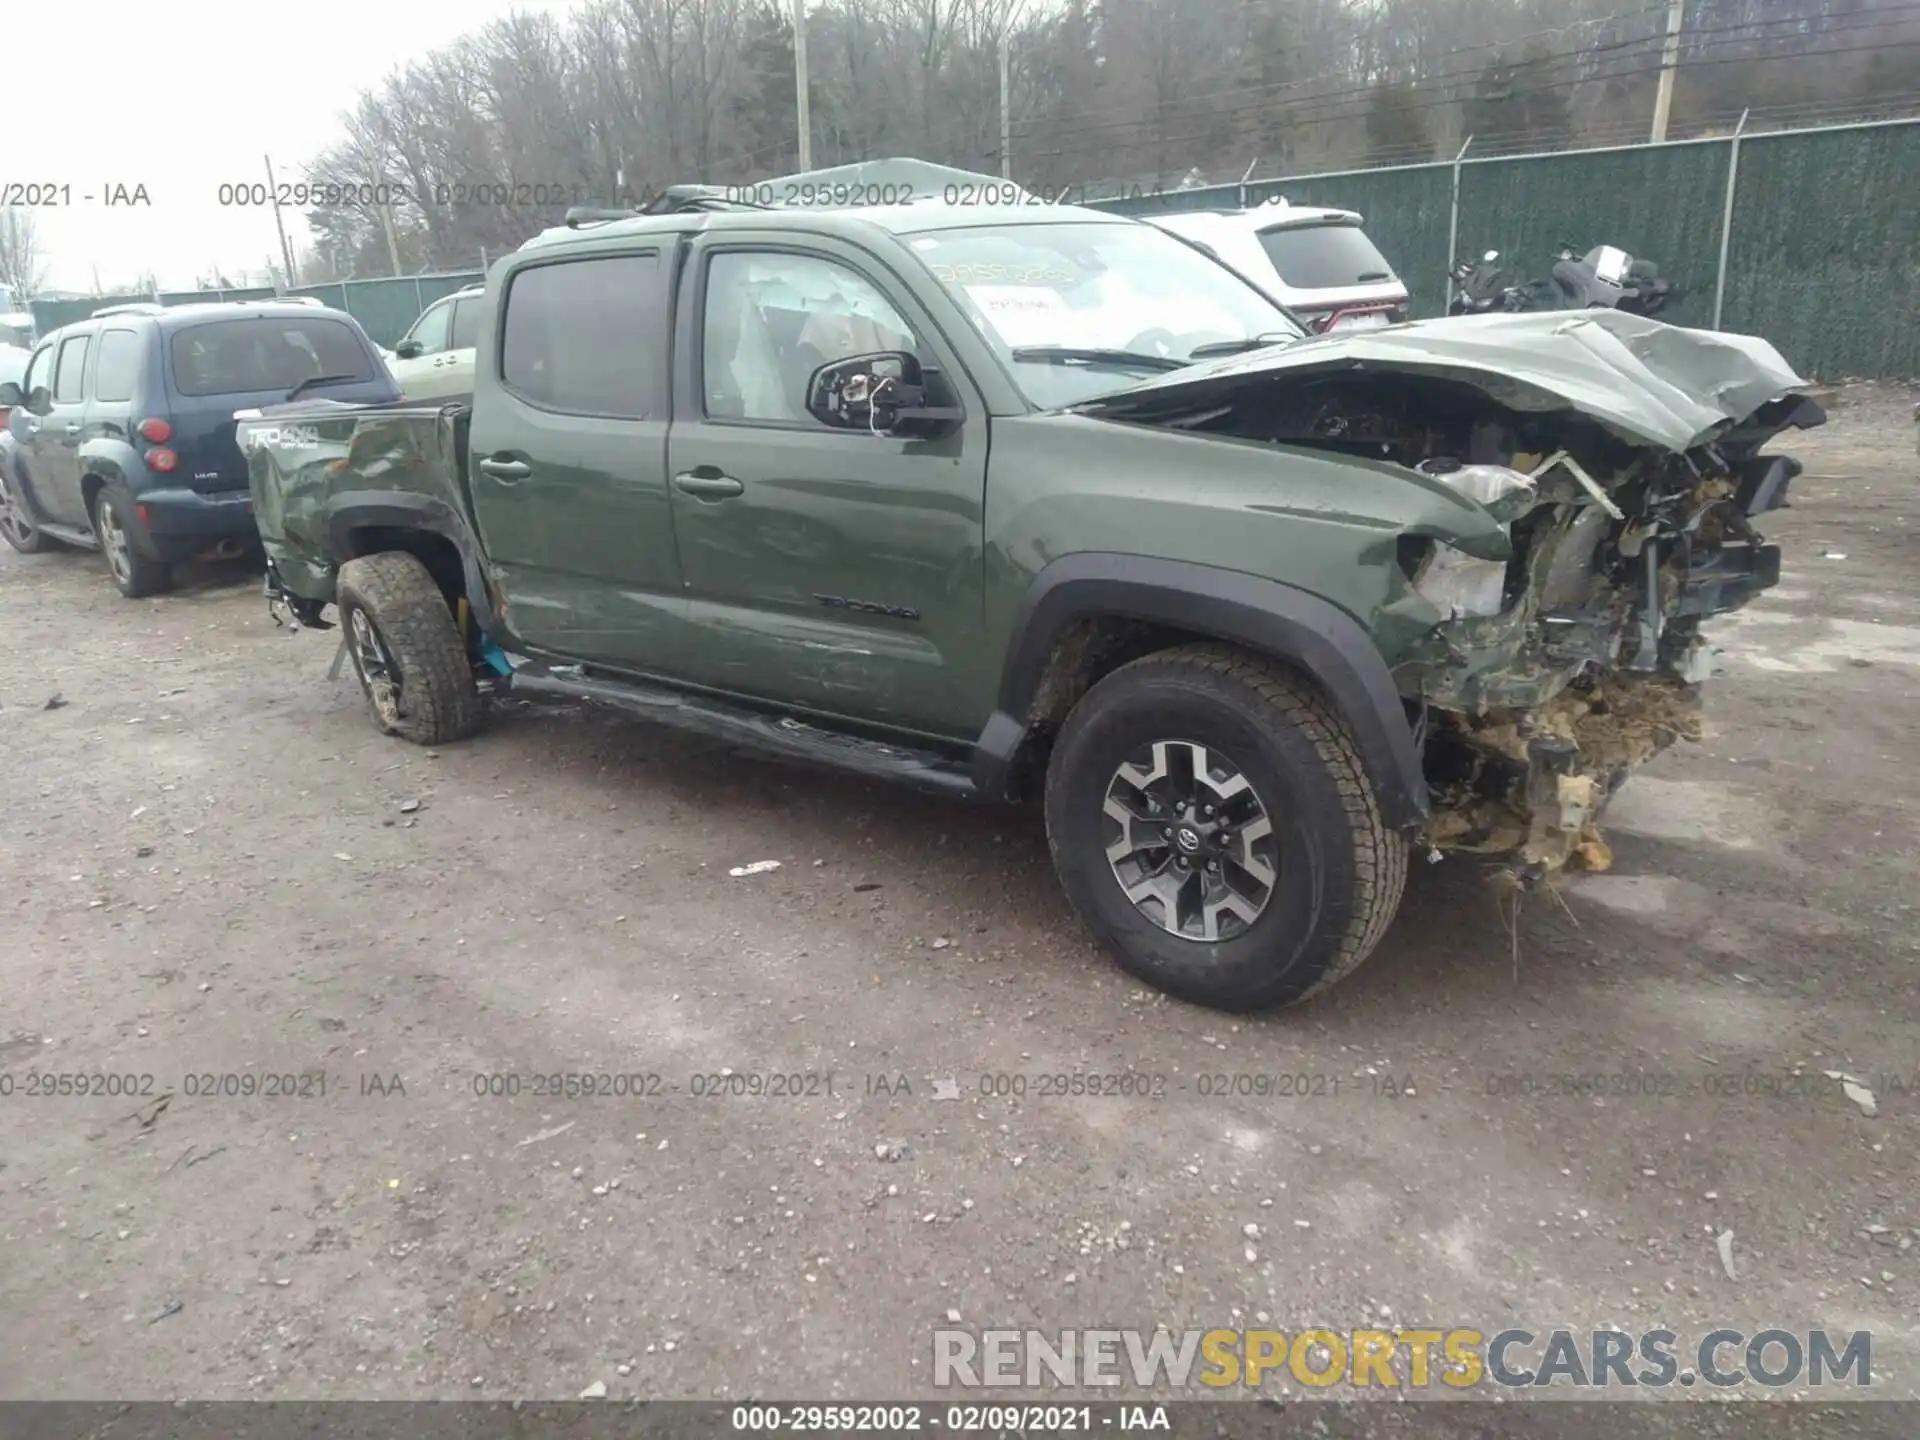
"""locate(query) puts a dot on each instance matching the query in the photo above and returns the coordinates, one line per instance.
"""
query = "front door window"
(773, 319)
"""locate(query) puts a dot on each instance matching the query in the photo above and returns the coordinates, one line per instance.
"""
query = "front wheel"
(17, 523)
(1212, 822)
(406, 650)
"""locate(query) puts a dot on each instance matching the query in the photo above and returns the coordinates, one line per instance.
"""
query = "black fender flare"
(404, 510)
(1276, 619)
(106, 461)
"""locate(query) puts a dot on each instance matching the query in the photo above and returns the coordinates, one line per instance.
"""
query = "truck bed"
(304, 459)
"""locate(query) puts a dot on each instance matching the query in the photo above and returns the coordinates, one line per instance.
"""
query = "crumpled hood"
(1649, 381)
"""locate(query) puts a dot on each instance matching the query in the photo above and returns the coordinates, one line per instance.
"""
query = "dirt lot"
(211, 865)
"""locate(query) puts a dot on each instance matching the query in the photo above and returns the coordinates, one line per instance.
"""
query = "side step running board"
(927, 770)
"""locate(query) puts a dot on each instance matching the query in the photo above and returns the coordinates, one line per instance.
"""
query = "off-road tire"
(134, 574)
(1340, 869)
(17, 524)
(438, 701)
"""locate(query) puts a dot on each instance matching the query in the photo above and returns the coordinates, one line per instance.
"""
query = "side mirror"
(884, 392)
(408, 350)
(10, 396)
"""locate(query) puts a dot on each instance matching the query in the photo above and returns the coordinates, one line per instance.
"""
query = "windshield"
(1325, 257)
(1045, 296)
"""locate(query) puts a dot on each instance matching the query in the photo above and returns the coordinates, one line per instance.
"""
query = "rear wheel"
(406, 650)
(1210, 818)
(136, 575)
(16, 522)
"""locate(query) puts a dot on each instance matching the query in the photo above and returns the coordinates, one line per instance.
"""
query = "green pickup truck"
(1035, 502)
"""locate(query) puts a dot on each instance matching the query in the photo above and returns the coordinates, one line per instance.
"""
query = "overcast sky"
(183, 96)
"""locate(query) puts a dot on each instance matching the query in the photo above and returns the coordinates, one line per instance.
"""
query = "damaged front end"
(1548, 678)
(1622, 456)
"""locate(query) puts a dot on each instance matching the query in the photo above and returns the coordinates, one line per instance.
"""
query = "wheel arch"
(1079, 598)
(104, 463)
(429, 529)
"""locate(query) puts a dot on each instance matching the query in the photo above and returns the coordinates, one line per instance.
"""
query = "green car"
(1033, 502)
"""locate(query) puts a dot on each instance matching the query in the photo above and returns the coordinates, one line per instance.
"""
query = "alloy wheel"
(113, 541)
(376, 667)
(1190, 841)
(14, 523)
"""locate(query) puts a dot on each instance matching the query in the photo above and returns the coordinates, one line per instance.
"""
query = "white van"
(1317, 263)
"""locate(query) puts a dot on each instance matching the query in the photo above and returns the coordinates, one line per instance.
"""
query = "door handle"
(509, 470)
(710, 486)
(73, 429)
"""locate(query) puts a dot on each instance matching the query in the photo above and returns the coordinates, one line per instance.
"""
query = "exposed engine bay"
(1539, 682)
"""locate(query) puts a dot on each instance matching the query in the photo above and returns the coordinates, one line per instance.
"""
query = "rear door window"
(236, 357)
(70, 373)
(1324, 257)
(118, 366)
(585, 337)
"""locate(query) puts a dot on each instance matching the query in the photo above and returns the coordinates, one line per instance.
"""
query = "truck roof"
(852, 223)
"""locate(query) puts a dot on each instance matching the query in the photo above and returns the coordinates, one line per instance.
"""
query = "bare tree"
(23, 269)
(486, 139)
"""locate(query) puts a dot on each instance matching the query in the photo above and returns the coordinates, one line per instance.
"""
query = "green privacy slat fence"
(1657, 202)
(385, 308)
(1822, 256)
(1825, 259)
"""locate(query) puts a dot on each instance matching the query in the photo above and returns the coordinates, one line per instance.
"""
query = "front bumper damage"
(1622, 456)
(1595, 661)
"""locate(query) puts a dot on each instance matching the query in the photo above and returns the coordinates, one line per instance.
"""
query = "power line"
(1205, 106)
(1317, 103)
(1786, 116)
(1315, 110)
(1200, 136)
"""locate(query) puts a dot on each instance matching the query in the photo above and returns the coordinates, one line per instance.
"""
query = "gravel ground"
(212, 866)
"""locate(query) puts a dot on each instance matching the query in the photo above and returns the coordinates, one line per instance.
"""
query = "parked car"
(1317, 263)
(916, 492)
(435, 357)
(120, 435)
(13, 369)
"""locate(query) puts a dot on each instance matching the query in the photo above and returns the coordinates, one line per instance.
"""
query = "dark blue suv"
(120, 436)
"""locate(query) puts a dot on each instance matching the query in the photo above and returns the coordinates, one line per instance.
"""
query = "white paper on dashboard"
(1023, 314)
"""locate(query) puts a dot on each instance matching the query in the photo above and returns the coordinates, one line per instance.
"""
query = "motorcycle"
(1605, 278)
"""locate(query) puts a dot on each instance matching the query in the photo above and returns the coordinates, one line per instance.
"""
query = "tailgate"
(310, 462)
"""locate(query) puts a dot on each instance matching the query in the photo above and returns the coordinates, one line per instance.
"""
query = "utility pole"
(386, 221)
(1669, 62)
(1006, 108)
(286, 250)
(800, 85)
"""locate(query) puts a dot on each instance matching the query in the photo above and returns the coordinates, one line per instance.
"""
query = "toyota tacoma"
(1041, 503)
